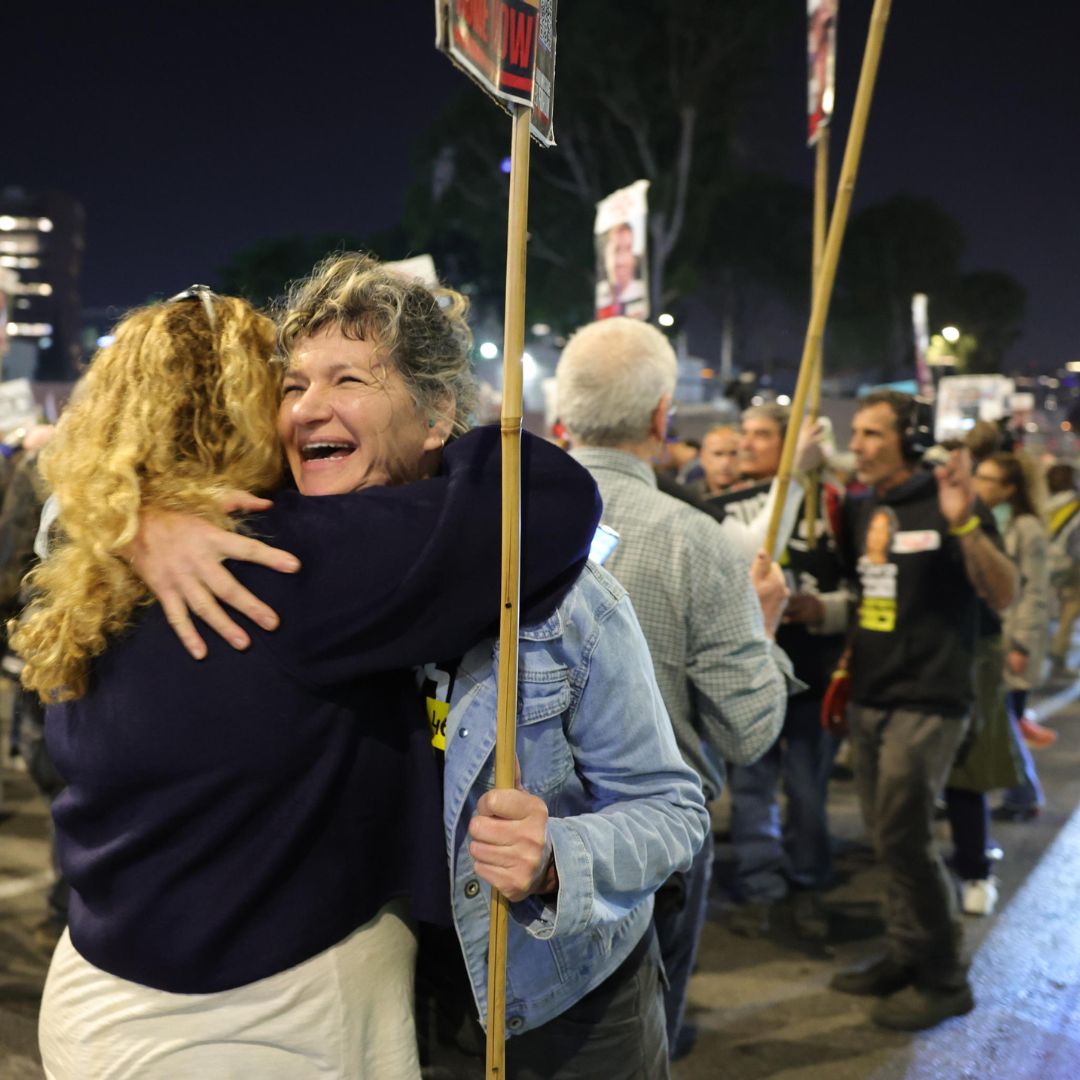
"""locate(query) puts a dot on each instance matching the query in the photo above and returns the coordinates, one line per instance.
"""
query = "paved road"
(763, 1008)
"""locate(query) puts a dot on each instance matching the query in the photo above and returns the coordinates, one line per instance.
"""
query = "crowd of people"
(277, 850)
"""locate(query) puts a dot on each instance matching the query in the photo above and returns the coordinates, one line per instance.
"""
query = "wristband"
(969, 526)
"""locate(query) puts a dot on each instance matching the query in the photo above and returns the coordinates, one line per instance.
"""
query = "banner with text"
(622, 271)
(508, 47)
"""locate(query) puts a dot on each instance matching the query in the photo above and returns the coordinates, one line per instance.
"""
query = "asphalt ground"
(762, 1007)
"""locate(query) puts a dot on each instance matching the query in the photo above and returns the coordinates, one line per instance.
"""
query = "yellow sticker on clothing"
(878, 613)
(437, 712)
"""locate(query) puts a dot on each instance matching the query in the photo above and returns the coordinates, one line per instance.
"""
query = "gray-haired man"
(690, 585)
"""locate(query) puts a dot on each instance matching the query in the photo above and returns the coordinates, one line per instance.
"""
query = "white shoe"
(979, 897)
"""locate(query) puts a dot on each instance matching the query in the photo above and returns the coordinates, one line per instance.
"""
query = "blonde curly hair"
(422, 331)
(171, 414)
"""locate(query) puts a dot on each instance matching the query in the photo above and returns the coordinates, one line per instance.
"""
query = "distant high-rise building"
(42, 242)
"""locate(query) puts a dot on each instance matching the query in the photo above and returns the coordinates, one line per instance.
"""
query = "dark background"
(191, 131)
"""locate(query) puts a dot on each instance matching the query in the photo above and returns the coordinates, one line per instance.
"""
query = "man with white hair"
(721, 679)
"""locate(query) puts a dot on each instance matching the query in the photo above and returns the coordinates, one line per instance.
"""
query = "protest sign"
(964, 399)
(508, 48)
(420, 268)
(622, 278)
(821, 65)
(17, 405)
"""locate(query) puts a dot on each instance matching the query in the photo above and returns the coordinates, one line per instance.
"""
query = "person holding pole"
(606, 809)
(775, 861)
(722, 679)
(917, 548)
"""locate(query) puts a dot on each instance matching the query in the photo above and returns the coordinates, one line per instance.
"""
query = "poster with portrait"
(964, 399)
(508, 48)
(622, 271)
(821, 65)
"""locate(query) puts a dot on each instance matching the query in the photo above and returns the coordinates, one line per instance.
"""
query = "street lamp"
(951, 334)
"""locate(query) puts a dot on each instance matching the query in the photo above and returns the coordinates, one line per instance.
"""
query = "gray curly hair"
(423, 332)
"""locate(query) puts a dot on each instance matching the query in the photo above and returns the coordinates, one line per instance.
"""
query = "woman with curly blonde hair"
(166, 416)
(241, 834)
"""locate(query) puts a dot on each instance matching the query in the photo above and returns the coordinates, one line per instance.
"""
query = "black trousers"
(615, 1032)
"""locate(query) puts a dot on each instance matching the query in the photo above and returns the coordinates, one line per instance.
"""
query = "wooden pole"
(821, 218)
(819, 310)
(506, 722)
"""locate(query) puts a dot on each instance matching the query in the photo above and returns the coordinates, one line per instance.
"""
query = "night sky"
(190, 131)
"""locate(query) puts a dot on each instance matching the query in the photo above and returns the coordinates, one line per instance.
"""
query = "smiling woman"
(378, 376)
(347, 420)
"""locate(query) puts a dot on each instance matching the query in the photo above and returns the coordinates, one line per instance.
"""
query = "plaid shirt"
(721, 679)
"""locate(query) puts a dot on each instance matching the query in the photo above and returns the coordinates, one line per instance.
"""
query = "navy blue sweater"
(229, 818)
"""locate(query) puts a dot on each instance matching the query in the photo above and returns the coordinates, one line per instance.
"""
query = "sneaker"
(918, 1007)
(1035, 735)
(884, 976)
(979, 897)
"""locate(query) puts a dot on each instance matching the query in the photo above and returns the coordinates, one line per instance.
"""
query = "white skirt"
(346, 1013)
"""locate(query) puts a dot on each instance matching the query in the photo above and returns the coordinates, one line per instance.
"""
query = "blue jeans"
(1029, 793)
(770, 857)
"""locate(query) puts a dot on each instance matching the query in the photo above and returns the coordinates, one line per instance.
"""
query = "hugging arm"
(179, 556)
(402, 554)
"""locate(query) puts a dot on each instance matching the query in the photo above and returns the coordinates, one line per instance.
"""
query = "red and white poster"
(821, 65)
(508, 47)
(622, 271)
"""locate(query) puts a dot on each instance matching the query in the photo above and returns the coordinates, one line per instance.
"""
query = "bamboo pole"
(821, 218)
(823, 292)
(506, 722)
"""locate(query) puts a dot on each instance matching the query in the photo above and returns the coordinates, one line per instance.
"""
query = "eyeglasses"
(202, 293)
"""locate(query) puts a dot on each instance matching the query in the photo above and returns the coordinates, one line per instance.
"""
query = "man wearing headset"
(909, 662)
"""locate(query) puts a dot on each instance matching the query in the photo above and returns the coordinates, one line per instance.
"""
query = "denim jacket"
(595, 743)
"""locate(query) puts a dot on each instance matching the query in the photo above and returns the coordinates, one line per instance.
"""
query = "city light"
(665, 319)
(489, 350)
(105, 340)
(541, 329)
(783, 399)
(7, 222)
(44, 224)
(29, 329)
(529, 366)
(951, 334)
(504, 165)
